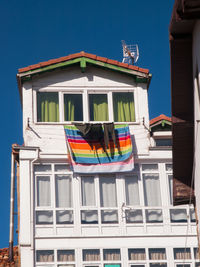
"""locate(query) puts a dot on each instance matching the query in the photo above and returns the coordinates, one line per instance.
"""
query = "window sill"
(92, 122)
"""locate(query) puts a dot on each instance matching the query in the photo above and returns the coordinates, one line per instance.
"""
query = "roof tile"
(160, 118)
(82, 54)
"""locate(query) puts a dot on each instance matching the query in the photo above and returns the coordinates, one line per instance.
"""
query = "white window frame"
(85, 93)
(52, 174)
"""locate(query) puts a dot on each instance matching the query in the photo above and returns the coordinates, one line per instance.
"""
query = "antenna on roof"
(130, 53)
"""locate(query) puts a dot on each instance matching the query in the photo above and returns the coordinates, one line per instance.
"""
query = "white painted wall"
(50, 137)
(196, 76)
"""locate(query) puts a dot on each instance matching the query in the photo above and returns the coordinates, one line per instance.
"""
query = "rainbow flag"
(89, 156)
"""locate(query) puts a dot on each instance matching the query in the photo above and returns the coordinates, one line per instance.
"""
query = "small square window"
(182, 253)
(157, 254)
(163, 141)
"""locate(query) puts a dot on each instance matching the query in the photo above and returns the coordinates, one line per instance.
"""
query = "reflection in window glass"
(123, 107)
(158, 264)
(168, 167)
(73, 107)
(64, 217)
(98, 107)
(192, 215)
(154, 216)
(89, 217)
(47, 107)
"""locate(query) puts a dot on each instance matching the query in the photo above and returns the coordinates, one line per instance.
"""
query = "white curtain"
(88, 191)
(132, 191)
(63, 191)
(134, 216)
(44, 217)
(89, 216)
(152, 196)
(178, 215)
(43, 191)
(108, 192)
(64, 216)
(170, 177)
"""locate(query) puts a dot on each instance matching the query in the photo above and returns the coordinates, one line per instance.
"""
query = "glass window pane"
(134, 216)
(66, 255)
(192, 215)
(43, 191)
(149, 167)
(64, 217)
(132, 190)
(88, 191)
(47, 107)
(91, 255)
(152, 196)
(44, 255)
(62, 168)
(109, 216)
(112, 265)
(89, 217)
(169, 167)
(178, 215)
(123, 107)
(157, 254)
(182, 253)
(42, 168)
(154, 216)
(111, 254)
(196, 253)
(158, 264)
(136, 254)
(163, 142)
(170, 179)
(73, 107)
(108, 197)
(98, 104)
(44, 217)
(65, 265)
(63, 191)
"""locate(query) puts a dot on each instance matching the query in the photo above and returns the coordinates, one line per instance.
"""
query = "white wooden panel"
(25, 204)
(26, 257)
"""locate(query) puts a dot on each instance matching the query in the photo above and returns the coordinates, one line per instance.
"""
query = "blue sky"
(39, 30)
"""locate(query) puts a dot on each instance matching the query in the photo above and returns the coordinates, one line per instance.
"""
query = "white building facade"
(104, 219)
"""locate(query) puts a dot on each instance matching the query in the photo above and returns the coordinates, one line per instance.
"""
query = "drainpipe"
(12, 196)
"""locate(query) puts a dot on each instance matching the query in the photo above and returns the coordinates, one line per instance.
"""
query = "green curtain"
(98, 107)
(123, 105)
(47, 107)
(73, 107)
